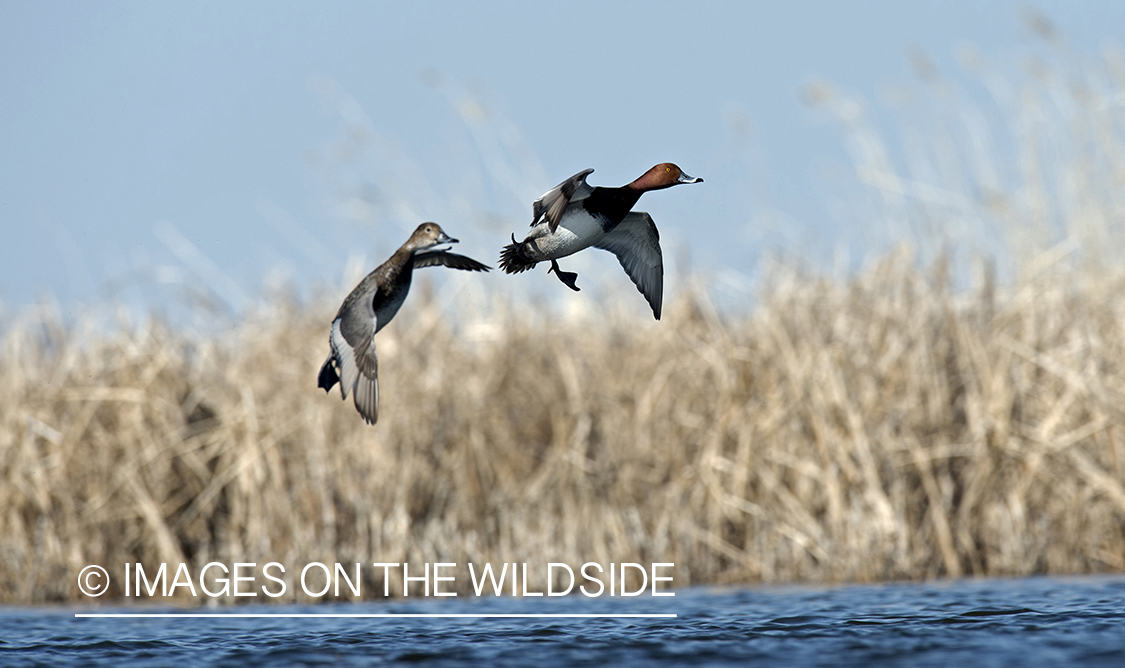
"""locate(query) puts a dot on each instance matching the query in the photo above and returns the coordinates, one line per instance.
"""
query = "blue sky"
(147, 144)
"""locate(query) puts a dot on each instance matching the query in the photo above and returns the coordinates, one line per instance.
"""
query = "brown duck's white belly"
(577, 230)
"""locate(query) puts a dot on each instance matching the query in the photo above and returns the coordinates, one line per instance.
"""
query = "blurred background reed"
(884, 428)
(951, 408)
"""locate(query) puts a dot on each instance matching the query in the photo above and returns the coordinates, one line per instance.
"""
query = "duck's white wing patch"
(636, 243)
(353, 342)
(553, 203)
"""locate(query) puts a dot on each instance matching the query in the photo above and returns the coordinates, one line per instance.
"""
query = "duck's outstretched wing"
(434, 258)
(353, 348)
(636, 243)
(554, 202)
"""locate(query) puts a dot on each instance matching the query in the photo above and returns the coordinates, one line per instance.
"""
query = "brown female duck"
(370, 306)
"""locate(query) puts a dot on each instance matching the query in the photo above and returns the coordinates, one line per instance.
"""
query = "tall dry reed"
(879, 429)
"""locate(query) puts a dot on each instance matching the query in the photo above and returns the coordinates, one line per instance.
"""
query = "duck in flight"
(573, 216)
(370, 306)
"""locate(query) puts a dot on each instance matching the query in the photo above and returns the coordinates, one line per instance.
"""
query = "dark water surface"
(1027, 622)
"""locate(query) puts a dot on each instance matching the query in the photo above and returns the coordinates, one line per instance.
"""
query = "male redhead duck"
(370, 306)
(572, 216)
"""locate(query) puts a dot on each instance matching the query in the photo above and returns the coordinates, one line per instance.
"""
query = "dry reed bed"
(879, 429)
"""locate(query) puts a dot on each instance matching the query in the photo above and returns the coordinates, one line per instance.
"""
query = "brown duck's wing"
(353, 345)
(636, 243)
(554, 202)
(434, 258)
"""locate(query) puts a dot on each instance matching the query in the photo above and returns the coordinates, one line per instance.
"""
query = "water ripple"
(1030, 622)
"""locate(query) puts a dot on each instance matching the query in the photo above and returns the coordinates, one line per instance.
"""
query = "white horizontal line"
(262, 615)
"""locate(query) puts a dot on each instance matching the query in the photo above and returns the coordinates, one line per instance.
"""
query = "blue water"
(1027, 622)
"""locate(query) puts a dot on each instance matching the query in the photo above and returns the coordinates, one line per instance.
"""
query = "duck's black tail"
(513, 260)
(327, 378)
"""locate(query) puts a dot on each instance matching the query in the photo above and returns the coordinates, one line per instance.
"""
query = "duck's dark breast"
(609, 205)
(387, 302)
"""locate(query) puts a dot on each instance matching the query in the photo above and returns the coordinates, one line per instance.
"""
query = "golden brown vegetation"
(880, 429)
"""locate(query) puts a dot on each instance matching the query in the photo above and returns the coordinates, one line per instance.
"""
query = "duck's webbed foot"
(567, 277)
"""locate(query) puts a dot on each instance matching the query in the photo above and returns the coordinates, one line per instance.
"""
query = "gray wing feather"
(554, 202)
(451, 260)
(353, 343)
(636, 243)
